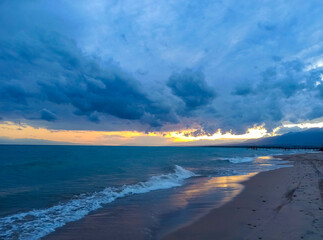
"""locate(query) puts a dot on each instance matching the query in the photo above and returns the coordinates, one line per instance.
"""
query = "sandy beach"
(281, 204)
(286, 203)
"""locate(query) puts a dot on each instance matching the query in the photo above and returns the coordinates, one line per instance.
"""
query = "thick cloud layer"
(191, 88)
(169, 65)
(48, 115)
(52, 69)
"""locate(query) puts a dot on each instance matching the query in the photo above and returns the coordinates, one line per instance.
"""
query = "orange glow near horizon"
(13, 130)
(22, 131)
(186, 136)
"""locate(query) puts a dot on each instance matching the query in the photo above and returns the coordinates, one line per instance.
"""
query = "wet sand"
(286, 203)
(155, 214)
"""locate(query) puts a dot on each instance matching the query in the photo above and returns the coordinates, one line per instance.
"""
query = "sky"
(159, 72)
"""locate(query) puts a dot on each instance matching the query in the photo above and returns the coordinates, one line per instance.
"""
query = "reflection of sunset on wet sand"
(211, 184)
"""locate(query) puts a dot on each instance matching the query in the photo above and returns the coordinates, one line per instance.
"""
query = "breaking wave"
(38, 223)
(239, 159)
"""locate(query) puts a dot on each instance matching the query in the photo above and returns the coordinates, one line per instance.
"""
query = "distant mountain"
(309, 138)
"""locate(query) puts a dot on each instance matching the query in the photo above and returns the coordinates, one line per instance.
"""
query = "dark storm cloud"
(280, 91)
(191, 87)
(320, 88)
(243, 89)
(13, 93)
(316, 112)
(47, 115)
(98, 64)
(285, 78)
(55, 70)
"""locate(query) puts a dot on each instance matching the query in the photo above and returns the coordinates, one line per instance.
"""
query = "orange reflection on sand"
(214, 183)
(265, 157)
(219, 182)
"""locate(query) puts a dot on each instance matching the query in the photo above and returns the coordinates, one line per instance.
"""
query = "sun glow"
(305, 125)
(314, 65)
(188, 135)
(13, 130)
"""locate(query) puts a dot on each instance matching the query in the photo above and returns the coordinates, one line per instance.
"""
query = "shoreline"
(285, 203)
(161, 220)
(165, 211)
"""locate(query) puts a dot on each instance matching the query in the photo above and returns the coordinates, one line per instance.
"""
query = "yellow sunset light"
(23, 131)
(186, 136)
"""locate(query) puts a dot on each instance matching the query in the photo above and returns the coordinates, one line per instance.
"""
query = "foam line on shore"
(36, 224)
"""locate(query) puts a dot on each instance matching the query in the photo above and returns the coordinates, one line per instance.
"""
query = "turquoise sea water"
(43, 188)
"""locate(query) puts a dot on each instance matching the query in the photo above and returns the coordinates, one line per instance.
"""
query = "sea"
(58, 192)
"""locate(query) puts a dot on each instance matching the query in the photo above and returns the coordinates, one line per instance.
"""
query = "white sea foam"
(239, 159)
(38, 223)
